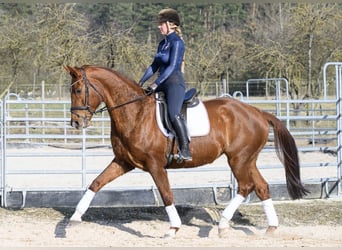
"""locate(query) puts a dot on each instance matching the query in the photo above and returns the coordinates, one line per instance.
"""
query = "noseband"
(87, 104)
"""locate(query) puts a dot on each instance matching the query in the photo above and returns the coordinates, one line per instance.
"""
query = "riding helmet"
(169, 15)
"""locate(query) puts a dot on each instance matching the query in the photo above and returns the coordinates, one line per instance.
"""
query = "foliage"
(233, 41)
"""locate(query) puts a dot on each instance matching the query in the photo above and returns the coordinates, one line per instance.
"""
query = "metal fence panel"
(40, 152)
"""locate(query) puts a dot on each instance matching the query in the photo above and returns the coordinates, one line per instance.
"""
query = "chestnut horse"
(237, 130)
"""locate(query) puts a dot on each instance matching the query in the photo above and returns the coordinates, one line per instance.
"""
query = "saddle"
(190, 100)
(194, 113)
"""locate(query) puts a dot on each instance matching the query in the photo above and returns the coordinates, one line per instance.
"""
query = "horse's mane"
(121, 75)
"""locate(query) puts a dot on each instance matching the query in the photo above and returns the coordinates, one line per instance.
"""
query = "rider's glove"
(150, 89)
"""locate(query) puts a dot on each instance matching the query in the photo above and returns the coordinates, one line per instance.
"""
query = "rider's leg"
(182, 136)
(174, 89)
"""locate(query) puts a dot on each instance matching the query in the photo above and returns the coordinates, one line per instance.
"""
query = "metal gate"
(45, 162)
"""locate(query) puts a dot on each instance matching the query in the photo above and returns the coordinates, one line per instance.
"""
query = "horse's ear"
(66, 67)
(70, 70)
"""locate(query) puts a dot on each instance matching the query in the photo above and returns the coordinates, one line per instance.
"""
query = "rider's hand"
(150, 89)
(153, 86)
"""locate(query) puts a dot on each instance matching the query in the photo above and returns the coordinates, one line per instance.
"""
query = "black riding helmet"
(169, 15)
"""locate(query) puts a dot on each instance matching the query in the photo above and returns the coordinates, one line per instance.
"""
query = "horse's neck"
(117, 91)
(125, 104)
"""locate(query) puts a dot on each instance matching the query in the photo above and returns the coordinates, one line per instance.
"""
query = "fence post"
(338, 82)
(43, 107)
(339, 125)
(2, 155)
(84, 160)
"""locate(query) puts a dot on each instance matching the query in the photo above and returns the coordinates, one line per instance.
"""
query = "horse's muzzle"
(79, 123)
(75, 124)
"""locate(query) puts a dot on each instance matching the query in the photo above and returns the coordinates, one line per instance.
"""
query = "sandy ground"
(303, 224)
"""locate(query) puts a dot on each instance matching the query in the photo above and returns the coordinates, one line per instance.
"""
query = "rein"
(87, 105)
(138, 98)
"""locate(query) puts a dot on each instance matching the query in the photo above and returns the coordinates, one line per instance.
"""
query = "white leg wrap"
(83, 205)
(270, 212)
(229, 211)
(174, 219)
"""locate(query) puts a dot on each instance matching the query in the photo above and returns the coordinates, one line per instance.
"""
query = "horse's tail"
(288, 154)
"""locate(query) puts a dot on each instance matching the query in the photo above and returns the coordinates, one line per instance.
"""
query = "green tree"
(293, 41)
(223, 40)
(35, 46)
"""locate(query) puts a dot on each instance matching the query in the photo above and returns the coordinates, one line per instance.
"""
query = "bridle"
(87, 104)
(87, 83)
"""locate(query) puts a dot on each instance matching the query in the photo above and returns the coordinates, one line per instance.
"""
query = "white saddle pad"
(197, 121)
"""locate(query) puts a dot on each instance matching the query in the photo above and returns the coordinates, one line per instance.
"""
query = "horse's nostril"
(74, 124)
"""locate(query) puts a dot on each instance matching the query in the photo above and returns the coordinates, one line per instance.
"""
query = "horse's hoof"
(224, 232)
(77, 216)
(74, 220)
(171, 233)
(270, 230)
(73, 223)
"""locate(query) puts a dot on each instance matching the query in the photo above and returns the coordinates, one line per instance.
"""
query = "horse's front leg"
(159, 175)
(111, 172)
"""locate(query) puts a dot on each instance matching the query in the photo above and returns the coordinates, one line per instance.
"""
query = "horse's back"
(233, 109)
(238, 123)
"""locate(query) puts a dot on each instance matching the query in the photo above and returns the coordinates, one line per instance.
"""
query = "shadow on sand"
(203, 218)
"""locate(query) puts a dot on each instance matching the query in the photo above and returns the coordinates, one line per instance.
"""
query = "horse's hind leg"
(263, 193)
(228, 213)
(112, 171)
(249, 179)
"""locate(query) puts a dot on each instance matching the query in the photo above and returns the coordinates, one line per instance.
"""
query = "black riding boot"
(182, 137)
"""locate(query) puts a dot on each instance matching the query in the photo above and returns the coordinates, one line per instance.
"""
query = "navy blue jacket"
(168, 59)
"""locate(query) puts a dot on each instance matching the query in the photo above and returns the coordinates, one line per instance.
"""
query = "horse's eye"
(78, 91)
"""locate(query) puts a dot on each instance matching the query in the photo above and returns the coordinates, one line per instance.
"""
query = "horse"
(237, 130)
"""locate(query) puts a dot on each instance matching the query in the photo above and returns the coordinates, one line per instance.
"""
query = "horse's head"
(85, 97)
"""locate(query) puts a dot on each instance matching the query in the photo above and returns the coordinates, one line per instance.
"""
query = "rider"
(168, 61)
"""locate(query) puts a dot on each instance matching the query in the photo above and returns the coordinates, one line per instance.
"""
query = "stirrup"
(187, 157)
(179, 158)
